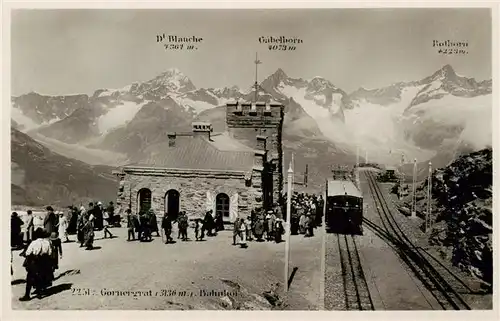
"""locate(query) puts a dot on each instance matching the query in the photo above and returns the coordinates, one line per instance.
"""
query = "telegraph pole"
(401, 177)
(414, 196)
(429, 199)
(366, 156)
(305, 175)
(357, 155)
(287, 224)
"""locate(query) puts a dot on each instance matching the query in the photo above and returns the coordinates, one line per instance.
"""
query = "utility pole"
(366, 156)
(287, 224)
(305, 175)
(401, 177)
(414, 196)
(357, 155)
(429, 199)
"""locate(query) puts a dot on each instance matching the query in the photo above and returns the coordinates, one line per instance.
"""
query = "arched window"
(144, 200)
(172, 202)
(222, 205)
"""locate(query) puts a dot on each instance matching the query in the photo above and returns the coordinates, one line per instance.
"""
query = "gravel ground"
(172, 277)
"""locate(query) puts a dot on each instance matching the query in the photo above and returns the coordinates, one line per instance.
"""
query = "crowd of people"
(307, 213)
(40, 238)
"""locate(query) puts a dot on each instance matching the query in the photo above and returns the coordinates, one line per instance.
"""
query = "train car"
(343, 207)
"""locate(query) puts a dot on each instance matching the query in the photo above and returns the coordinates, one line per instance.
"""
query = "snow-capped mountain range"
(418, 118)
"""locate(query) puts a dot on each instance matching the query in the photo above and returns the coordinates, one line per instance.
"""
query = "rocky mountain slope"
(462, 212)
(42, 177)
(436, 118)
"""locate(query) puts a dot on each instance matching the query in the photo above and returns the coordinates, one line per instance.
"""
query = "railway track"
(439, 283)
(351, 282)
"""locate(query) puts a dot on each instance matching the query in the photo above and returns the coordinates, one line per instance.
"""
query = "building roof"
(343, 187)
(197, 152)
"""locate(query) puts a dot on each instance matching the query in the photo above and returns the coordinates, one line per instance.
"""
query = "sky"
(62, 52)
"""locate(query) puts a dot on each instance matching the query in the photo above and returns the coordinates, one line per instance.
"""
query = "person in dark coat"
(16, 240)
(98, 224)
(153, 222)
(111, 214)
(183, 226)
(166, 225)
(209, 223)
(80, 225)
(144, 221)
(278, 231)
(259, 230)
(130, 225)
(219, 222)
(50, 221)
(57, 253)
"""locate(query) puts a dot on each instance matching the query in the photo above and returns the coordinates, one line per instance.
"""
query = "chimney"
(171, 139)
(202, 129)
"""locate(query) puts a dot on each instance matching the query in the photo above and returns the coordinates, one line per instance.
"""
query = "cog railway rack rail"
(440, 282)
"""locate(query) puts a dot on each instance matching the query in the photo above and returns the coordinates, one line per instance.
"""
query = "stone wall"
(192, 188)
(248, 121)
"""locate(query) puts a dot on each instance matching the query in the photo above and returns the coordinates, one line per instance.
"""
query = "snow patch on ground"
(88, 155)
(118, 116)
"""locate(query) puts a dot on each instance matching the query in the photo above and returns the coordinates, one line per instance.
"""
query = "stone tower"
(247, 122)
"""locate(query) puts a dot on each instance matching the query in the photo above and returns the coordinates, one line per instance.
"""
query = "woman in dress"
(63, 227)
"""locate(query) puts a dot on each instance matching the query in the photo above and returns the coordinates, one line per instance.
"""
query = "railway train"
(343, 207)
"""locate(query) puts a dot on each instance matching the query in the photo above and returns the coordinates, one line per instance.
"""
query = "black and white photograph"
(281, 159)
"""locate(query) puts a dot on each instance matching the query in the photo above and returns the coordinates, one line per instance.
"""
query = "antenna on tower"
(257, 63)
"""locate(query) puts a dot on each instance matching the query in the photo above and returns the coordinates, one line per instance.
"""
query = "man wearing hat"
(50, 221)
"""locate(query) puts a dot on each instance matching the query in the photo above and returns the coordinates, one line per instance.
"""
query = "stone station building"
(231, 172)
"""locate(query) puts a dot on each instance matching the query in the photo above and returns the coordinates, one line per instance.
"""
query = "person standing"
(219, 222)
(236, 230)
(183, 226)
(105, 224)
(130, 225)
(153, 222)
(63, 227)
(270, 225)
(98, 216)
(249, 225)
(38, 264)
(16, 239)
(111, 214)
(88, 231)
(50, 221)
(55, 242)
(29, 229)
(166, 225)
(259, 229)
(80, 225)
(198, 230)
(278, 231)
(209, 223)
(37, 222)
(243, 231)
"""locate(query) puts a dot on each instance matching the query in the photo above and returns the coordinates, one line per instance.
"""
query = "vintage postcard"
(271, 159)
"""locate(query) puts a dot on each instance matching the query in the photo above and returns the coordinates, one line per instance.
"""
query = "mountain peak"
(446, 72)
(280, 74)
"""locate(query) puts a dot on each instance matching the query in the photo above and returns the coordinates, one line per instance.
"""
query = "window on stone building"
(144, 199)
(172, 204)
(222, 205)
